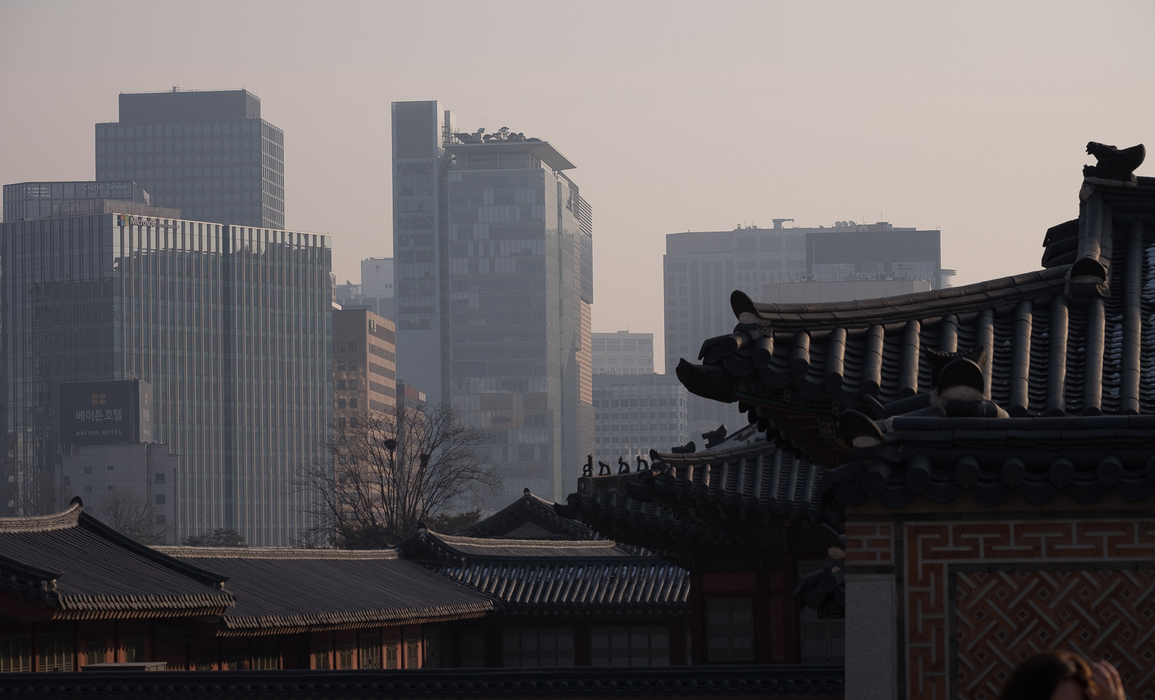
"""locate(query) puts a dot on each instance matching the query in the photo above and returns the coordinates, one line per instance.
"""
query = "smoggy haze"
(970, 117)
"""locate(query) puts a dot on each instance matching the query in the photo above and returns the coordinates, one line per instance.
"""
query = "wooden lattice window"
(56, 651)
(15, 653)
(95, 651)
(730, 629)
(637, 645)
(370, 650)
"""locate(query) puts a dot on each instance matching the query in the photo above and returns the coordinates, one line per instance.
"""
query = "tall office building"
(208, 154)
(231, 327)
(493, 255)
(701, 269)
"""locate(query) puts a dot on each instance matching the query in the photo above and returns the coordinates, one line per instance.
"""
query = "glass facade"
(229, 324)
(208, 154)
(420, 233)
(493, 258)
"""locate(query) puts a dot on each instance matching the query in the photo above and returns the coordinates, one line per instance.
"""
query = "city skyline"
(889, 112)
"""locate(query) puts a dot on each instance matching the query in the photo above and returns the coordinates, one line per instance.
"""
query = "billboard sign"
(100, 413)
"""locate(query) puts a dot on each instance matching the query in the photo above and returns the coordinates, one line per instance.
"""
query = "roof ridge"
(956, 301)
(495, 543)
(283, 553)
(714, 454)
(43, 523)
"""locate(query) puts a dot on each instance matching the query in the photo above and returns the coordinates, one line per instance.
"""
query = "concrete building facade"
(623, 353)
(207, 153)
(493, 251)
(364, 363)
(634, 414)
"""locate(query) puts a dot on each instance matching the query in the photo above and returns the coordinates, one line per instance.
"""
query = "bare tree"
(130, 513)
(386, 472)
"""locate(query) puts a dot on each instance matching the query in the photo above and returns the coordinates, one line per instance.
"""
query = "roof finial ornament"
(1114, 164)
(76, 501)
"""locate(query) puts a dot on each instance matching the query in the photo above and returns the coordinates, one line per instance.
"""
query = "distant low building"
(845, 290)
(634, 414)
(623, 352)
(702, 268)
(364, 363)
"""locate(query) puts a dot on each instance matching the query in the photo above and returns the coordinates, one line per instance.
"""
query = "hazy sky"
(967, 116)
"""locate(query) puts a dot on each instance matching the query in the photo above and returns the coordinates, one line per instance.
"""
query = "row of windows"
(662, 402)
(226, 129)
(102, 164)
(178, 145)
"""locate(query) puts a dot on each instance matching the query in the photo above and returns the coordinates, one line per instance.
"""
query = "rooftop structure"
(25, 201)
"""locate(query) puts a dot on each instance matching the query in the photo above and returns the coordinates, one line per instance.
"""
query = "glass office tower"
(208, 154)
(229, 324)
(497, 285)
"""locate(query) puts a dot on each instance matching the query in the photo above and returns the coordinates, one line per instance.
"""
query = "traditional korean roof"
(295, 590)
(541, 576)
(741, 491)
(79, 568)
(455, 547)
(1030, 386)
(529, 517)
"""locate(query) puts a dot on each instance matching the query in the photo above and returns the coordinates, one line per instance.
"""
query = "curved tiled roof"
(757, 477)
(455, 546)
(1066, 352)
(83, 569)
(292, 590)
(993, 459)
(545, 575)
(531, 507)
(638, 583)
(738, 494)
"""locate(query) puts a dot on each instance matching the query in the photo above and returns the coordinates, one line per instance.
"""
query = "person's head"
(1056, 675)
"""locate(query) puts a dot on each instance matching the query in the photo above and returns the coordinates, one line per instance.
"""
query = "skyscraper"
(231, 327)
(208, 154)
(701, 269)
(493, 256)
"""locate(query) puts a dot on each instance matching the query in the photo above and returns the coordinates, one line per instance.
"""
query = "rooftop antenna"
(176, 88)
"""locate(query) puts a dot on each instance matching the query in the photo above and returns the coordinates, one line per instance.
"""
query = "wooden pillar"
(697, 619)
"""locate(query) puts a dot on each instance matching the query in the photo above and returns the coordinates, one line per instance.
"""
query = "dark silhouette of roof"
(548, 575)
(79, 568)
(529, 517)
(686, 504)
(293, 590)
(1033, 385)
